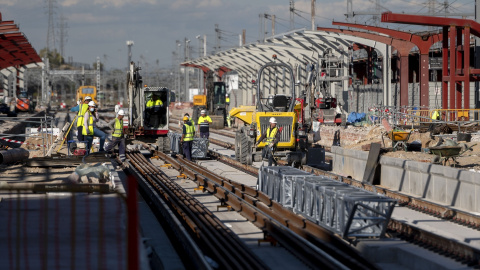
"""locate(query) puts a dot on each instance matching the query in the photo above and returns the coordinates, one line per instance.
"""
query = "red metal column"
(369, 64)
(466, 71)
(424, 79)
(445, 74)
(453, 74)
(459, 69)
(403, 80)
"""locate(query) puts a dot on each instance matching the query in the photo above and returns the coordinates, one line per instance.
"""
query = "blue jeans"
(96, 133)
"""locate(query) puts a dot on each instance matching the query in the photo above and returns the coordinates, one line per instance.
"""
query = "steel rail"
(193, 257)
(291, 230)
(222, 244)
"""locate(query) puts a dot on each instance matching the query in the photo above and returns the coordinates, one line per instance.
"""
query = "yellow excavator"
(282, 104)
(213, 102)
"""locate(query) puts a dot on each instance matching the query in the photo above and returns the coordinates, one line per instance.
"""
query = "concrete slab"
(438, 226)
(397, 254)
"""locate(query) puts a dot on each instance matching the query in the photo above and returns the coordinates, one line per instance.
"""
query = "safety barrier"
(444, 115)
(346, 210)
(199, 145)
(45, 132)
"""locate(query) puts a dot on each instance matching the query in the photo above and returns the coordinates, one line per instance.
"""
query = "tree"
(54, 57)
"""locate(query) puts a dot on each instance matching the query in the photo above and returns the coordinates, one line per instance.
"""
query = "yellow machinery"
(87, 90)
(214, 103)
(284, 107)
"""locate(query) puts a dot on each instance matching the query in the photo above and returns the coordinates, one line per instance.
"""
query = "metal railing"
(45, 125)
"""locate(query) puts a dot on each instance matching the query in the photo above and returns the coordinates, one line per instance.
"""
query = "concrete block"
(439, 189)
(452, 192)
(466, 198)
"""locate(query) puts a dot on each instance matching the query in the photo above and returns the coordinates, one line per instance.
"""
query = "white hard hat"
(203, 111)
(91, 103)
(121, 112)
(273, 120)
(88, 97)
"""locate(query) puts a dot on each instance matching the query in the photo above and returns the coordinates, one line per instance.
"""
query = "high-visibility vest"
(189, 132)
(271, 134)
(150, 104)
(82, 109)
(118, 128)
(158, 103)
(201, 120)
(227, 100)
(88, 130)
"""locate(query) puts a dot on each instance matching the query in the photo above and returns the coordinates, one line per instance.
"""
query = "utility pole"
(349, 14)
(313, 15)
(261, 37)
(200, 71)
(292, 15)
(62, 31)
(244, 33)
(129, 45)
(273, 25)
(218, 37)
(431, 11)
(51, 25)
(178, 71)
(204, 45)
(187, 82)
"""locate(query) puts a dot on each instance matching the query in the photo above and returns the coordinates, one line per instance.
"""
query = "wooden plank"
(372, 163)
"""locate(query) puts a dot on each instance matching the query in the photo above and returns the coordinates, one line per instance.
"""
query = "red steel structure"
(15, 50)
(456, 33)
(403, 48)
(423, 42)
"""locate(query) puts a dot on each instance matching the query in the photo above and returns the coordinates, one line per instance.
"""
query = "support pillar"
(424, 79)
(403, 80)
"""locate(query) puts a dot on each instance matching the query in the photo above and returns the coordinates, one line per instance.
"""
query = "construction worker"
(117, 136)
(89, 127)
(204, 124)
(187, 137)
(81, 108)
(272, 136)
(152, 109)
(189, 118)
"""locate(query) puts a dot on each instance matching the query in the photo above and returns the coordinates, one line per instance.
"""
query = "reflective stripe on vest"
(90, 125)
(201, 120)
(271, 135)
(82, 109)
(189, 132)
(118, 131)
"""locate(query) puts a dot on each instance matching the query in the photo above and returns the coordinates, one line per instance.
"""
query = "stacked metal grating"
(343, 209)
(199, 145)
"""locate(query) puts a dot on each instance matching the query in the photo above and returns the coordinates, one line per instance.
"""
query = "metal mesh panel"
(346, 210)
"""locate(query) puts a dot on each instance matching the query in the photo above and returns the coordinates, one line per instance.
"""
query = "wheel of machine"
(244, 149)
(237, 145)
(166, 144)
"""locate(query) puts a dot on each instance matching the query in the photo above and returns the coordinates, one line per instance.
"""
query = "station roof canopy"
(15, 50)
(296, 47)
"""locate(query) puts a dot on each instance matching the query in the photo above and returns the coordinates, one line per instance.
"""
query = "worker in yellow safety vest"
(187, 137)
(81, 108)
(117, 136)
(204, 122)
(272, 136)
(90, 117)
(153, 108)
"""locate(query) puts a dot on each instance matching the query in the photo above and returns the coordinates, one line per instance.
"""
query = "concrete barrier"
(436, 183)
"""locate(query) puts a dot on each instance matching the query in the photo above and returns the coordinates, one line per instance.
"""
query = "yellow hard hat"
(185, 118)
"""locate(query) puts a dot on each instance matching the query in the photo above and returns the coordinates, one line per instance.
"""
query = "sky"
(100, 28)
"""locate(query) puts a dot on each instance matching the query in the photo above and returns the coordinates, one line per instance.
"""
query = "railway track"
(454, 249)
(322, 250)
